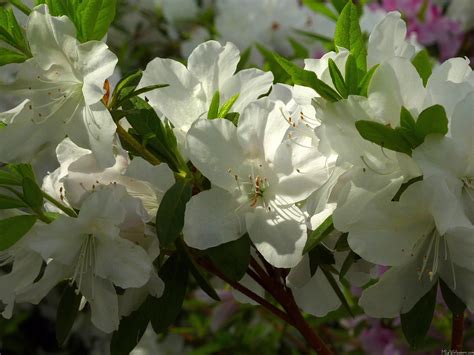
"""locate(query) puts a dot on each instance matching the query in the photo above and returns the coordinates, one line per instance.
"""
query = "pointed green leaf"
(365, 82)
(423, 65)
(351, 76)
(7, 202)
(13, 229)
(416, 322)
(432, 120)
(307, 78)
(349, 35)
(68, 308)
(232, 258)
(225, 109)
(384, 136)
(170, 216)
(337, 79)
(318, 235)
(8, 56)
(95, 18)
(454, 303)
(32, 193)
(165, 310)
(321, 8)
(214, 106)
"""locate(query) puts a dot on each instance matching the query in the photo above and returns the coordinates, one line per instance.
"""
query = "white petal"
(48, 35)
(396, 83)
(96, 63)
(315, 295)
(183, 101)
(212, 218)
(462, 130)
(212, 64)
(279, 235)
(122, 262)
(249, 84)
(387, 232)
(461, 246)
(387, 40)
(103, 302)
(95, 130)
(397, 292)
(214, 149)
(262, 128)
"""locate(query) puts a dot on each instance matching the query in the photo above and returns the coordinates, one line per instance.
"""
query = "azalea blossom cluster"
(363, 158)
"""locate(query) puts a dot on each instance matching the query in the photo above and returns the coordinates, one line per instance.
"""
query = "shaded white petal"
(279, 235)
(461, 246)
(103, 302)
(212, 218)
(122, 262)
(313, 294)
(396, 292)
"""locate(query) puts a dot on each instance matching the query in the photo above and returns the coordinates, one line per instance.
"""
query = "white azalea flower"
(91, 252)
(80, 174)
(451, 159)
(257, 176)
(64, 85)
(210, 68)
(424, 236)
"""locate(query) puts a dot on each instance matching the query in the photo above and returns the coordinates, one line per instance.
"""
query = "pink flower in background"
(430, 25)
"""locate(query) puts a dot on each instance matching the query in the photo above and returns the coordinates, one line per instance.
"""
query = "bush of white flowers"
(290, 181)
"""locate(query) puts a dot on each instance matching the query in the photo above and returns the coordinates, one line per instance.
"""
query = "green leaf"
(315, 36)
(66, 313)
(23, 171)
(158, 137)
(196, 272)
(349, 35)
(8, 178)
(423, 65)
(337, 290)
(307, 78)
(214, 106)
(131, 329)
(244, 59)
(351, 76)
(11, 32)
(299, 51)
(7, 202)
(321, 8)
(142, 91)
(408, 128)
(339, 4)
(95, 18)
(124, 87)
(165, 310)
(432, 120)
(384, 136)
(342, 244)
(22, 7)
(232, 258)
(8, 56)
(225, 109)
(454, 303)
(365, 82)
(32, 193)
(279, 74)
(318, 235)
(416, 322)
(337, 78)
(170, 216)
(13, 229)
(320, 255)
(350, 259)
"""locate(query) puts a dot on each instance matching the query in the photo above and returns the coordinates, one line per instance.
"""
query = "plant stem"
(457, 332)
(70, 212)
(284, 297)
(139, 148)
(260, 300)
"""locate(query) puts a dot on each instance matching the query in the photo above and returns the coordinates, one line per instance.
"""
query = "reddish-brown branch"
(250, 294)
(457, 332)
